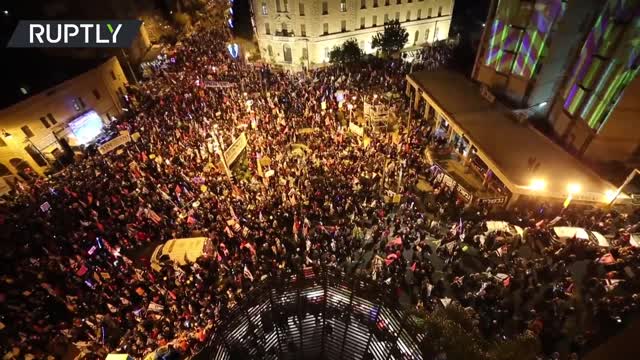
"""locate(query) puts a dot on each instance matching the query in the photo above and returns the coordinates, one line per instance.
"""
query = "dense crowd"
(69, 278)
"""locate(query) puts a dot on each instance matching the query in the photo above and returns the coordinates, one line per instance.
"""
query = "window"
(303, 30)
(375, 3)
(399, 2)
(426, 35)
(286, 5)
(416, 37)
(362, 23)
(386, 18)
(325, 28)
(440, 11)
(325, 8)
(343, 25)
(267, 29)
(51, 119)
(301, 8)
(409, 1)
(326, 53)
(305, 53)
(44, 122)
(397, 15)
(278, 9)
(264, 8)
(363, 4)
(386, 2)
(374, 22)
(343, 5)
(409, 15)
(285, 29)
(96, 94)
(419, 14)
(27, 131)
(113, 76)
(270, 50)
(429, 13)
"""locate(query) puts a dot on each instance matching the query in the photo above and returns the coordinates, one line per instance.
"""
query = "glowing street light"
(538, 185)
(572, 189)
(610, 196)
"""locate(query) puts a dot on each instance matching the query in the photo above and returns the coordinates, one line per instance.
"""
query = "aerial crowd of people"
(72, 275)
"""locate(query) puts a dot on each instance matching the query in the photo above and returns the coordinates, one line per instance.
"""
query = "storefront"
(511, 159)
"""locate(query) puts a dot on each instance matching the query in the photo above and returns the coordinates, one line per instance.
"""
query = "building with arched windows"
(33, 132)
(301, 33)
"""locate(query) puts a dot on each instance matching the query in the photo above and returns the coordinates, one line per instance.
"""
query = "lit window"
(343, 5)
(264, 8)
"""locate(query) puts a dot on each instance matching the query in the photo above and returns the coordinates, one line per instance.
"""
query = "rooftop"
(507, 144)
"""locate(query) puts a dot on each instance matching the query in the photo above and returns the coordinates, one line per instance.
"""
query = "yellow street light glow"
(609, 195)
(574, 188)
(538, 185)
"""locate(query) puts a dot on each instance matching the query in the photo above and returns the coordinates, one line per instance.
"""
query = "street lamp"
(538, 185)
(572, 189)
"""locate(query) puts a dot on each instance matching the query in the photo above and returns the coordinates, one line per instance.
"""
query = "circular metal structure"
(315, 316)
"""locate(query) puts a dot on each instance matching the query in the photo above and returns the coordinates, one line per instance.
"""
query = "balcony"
(285, 33)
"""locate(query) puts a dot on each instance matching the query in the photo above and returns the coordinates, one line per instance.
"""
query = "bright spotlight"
(538, 185)
(574, 188)
(610, 195)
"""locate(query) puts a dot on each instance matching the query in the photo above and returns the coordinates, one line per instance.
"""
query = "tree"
(392, 39)
(348, 52)
(452, 331)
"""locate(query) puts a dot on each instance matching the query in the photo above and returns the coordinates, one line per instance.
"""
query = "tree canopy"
(392, 39)
(348, 52)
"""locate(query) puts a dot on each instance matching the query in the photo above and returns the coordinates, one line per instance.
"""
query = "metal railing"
(316, 315)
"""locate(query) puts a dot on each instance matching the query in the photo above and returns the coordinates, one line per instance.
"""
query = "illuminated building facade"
(32, 132)
(301, 33)
(573, 61)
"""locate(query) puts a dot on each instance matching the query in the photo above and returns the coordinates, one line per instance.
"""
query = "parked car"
(181, 251)
(562, 233)
(493, 226)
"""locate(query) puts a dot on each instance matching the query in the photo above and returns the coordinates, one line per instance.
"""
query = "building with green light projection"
(573, 62)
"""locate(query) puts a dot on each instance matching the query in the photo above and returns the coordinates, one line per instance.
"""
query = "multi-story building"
(33, 131)
(299, 33)
(573, 61)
